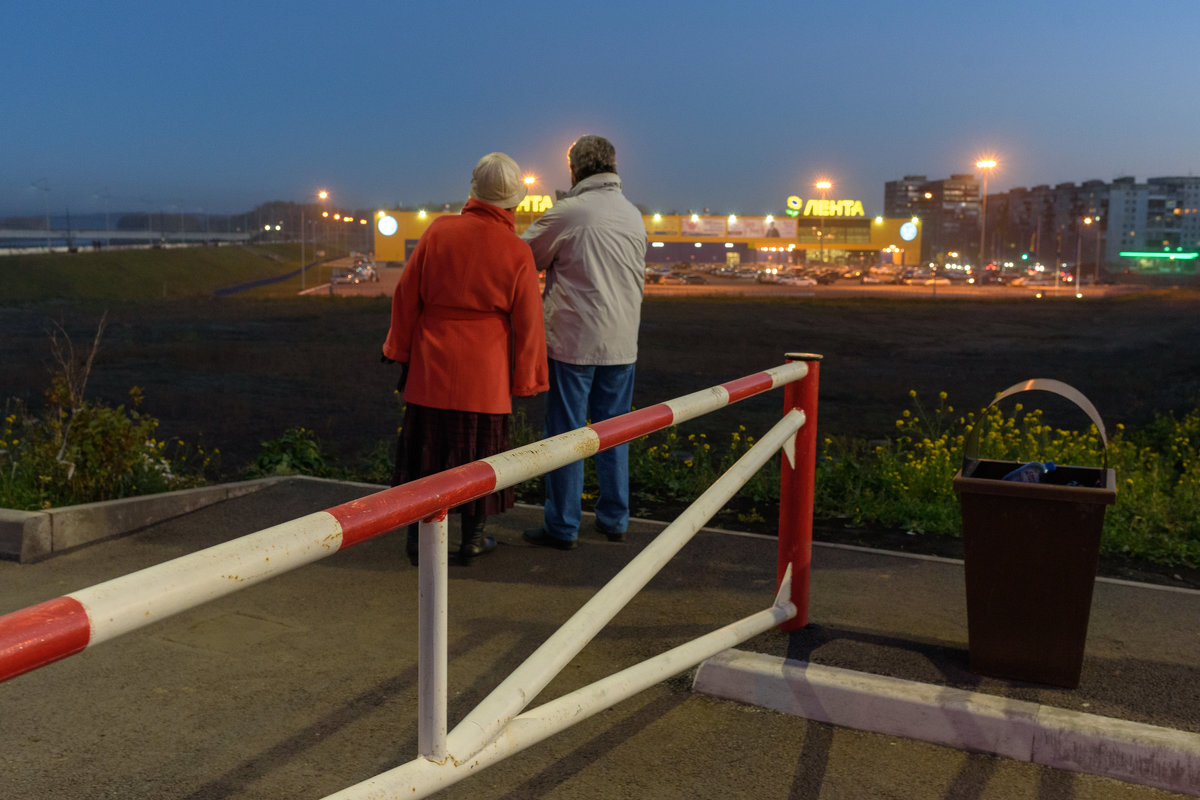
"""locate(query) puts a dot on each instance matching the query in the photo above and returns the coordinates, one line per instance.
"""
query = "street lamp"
(1095, 221)
(1078, 260)
(106, 197)
(530, 180)
(179, 207)
(321, 195)
(44, 188)
(823, 187)
(985, 165)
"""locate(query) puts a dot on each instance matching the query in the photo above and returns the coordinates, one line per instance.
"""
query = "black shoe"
(539, 537)
(473, 542)
(612, 536)
(471, 550)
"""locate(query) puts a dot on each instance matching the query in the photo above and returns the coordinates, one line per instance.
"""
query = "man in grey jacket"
(592, 245)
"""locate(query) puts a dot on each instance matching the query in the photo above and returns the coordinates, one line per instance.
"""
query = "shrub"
(906, 482)
(76, 451)
(297, 452)
(92, 454)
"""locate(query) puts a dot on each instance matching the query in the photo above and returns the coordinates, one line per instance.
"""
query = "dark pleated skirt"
(435, 439)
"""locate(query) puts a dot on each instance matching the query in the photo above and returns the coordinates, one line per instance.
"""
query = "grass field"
(240, 369)
(234, 372)
(143, 274)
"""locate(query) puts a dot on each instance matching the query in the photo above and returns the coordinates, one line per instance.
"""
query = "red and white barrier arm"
(42, 634)
(374, 514)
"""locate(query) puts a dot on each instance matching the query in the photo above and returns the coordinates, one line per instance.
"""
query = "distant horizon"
(168, 211)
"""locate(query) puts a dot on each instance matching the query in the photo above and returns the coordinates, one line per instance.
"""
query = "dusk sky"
(219, 106)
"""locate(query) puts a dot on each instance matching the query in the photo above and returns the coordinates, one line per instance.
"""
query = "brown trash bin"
(1031, 552)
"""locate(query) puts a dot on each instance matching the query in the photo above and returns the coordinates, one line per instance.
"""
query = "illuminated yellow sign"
(536, 203)
(824, 208)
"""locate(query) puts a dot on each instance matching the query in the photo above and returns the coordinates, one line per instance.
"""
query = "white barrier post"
(433, 604)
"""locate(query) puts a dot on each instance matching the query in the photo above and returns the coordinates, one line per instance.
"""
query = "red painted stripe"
(748, 386)
(378, 513)
(39, 635)
(628, 427)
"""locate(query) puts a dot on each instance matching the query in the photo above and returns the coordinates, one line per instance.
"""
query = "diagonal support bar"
(515, 692)
(422, 778)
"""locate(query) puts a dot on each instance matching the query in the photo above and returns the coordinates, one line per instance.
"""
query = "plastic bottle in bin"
(1030, 473)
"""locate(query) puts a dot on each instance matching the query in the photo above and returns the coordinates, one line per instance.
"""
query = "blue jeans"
(579, 393)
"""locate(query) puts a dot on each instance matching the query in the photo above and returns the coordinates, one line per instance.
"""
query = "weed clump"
(77, 451)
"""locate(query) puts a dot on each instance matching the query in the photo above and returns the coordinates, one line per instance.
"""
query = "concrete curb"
(28, 536)
(1054, 737)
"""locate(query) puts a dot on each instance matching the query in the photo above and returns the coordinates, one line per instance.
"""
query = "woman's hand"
(403, 371)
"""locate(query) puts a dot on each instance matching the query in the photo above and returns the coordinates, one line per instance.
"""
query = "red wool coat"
(467, 315)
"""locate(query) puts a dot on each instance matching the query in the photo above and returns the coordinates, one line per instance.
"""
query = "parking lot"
(728, 286)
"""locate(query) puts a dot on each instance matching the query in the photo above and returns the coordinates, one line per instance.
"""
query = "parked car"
(914, 277)
(989, 278)
(364, 272)
(695, 279)
(797, 280)
(657, 274)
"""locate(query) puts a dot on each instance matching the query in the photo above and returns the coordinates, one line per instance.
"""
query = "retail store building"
(812, 232)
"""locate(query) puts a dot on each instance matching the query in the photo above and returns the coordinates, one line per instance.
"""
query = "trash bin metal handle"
(971, 448)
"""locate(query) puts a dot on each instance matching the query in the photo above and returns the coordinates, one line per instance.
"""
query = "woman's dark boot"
(474, 543)
(412, 544)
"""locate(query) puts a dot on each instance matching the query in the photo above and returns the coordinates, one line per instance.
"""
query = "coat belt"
(450, 312)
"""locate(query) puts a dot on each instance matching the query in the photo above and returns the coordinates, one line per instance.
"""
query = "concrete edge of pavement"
(29, 536)
(1128, 751)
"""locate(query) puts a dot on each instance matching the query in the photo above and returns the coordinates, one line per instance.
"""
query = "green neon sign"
(1150, 254)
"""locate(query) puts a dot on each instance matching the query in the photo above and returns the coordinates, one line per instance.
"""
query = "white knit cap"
(497, 180)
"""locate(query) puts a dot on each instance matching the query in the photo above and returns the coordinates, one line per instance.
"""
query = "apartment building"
(1096, 228)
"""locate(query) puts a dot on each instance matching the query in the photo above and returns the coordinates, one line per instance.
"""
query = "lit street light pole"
(530, 180)
(1078, 260)
(985, 165)
(321, 195)
(823, 186)
(1095, 221)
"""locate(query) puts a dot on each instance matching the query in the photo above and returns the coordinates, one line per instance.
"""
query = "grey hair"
(591, 155)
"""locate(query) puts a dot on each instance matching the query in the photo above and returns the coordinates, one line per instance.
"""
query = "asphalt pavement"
(305, 684)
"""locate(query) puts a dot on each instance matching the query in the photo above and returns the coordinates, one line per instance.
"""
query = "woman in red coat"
(467, 328)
